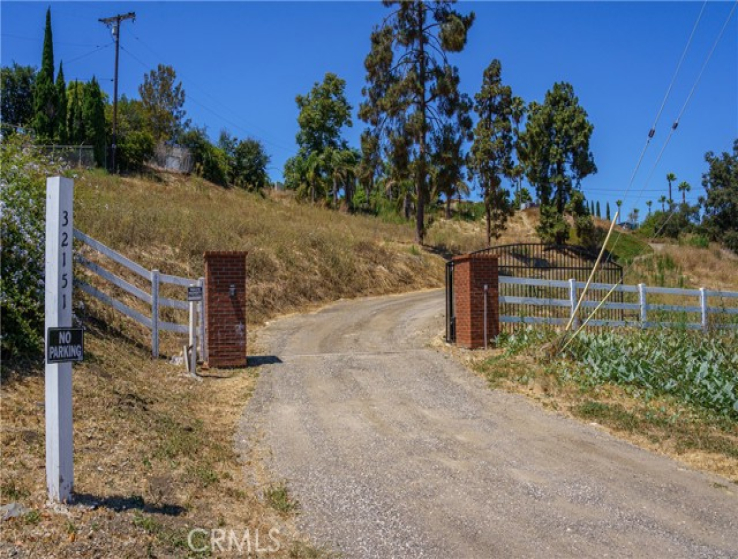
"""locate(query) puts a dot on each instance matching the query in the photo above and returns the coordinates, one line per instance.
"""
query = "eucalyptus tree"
(412, 88)
(555, 148)
(491, 153)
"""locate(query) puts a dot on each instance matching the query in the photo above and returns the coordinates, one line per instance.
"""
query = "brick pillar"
(471, 273)
(225, 308)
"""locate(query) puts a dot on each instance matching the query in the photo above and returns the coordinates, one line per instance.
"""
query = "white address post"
(58, 377)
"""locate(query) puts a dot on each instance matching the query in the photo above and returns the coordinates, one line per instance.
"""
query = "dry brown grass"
(298, 254)
(661, 425)
(154, 458)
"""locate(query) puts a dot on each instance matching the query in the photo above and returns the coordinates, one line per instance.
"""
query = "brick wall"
(225, 313)
(471, 273)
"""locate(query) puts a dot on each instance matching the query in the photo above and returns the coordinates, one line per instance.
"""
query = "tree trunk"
(448, 206)
(488, 212)
(335, 193)
(406, 205)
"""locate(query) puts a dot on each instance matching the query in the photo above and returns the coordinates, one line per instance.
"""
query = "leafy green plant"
(22, 227)
(693, 367)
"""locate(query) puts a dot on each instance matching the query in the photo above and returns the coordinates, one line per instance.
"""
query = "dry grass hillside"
(154, 449)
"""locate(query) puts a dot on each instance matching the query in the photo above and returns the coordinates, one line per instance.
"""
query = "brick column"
(225, 308)
(471, 273)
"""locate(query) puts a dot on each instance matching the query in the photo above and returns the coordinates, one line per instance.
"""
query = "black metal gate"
(542, 261)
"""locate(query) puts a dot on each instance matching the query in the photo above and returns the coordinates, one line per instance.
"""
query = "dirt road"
(395, 450)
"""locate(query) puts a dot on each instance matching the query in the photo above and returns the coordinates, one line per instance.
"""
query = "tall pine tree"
(491, 152)
(45, 98)
(412, 89)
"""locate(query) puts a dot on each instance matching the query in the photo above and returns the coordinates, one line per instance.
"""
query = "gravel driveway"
(394, 449)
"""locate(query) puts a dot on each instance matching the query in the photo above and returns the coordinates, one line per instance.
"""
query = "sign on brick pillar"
(225, 308)
(471, 273)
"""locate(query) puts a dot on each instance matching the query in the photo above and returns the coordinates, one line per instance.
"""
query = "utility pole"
(114, 23)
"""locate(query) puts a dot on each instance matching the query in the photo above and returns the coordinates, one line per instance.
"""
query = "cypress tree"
(599, 213)
(607, 209)
(45, 101)
(93, 117)
(61, 94)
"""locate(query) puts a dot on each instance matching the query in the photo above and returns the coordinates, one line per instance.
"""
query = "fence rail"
(635, 313)
(153, 298)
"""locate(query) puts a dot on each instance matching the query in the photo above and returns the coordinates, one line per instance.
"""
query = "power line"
(264, 134)
(676, 122)
(87, 54)
(190, 97)
(652, 131)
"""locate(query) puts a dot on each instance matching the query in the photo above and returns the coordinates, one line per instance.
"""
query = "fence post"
(703, 307)
(155, 313)
(201, 307)
(642, 303)
(192, 346)
(573, 300)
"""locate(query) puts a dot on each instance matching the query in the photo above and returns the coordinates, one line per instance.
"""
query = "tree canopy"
(163, 100)
(721, 202)
(412, 89)
(555, 149)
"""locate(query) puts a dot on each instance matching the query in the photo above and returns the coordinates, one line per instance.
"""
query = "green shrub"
(134, 149)
(22, 226)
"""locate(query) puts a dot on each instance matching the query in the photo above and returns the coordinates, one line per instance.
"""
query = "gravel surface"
(394, 449)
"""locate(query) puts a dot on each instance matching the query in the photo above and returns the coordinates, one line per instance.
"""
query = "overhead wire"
(680, 114)
(666, 143)
(263, 135)
(200, 104)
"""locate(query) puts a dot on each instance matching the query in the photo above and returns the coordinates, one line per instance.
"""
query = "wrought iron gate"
(541, 261)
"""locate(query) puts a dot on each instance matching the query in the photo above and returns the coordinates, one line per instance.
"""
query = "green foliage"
(672, 224)
(163, 102)
(16, 101)
(721, 203)
(211, 162)
(93, 116)
(491, 153)
(61, 117)
(134, 149)
(22, 227)
(693, 367)
(249, 166)
(75, 120)
(412, 89)
(324, 111)
(555, 150)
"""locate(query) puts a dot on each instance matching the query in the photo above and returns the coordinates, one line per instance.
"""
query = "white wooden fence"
(635, 312)
(153, 298)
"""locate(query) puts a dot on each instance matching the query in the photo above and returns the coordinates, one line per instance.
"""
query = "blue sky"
(242, 63)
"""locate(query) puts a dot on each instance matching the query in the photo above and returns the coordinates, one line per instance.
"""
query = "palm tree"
(649, 203)
(662, 201)
(340, 165)
(618, 203)
(684, 187)
(670, 177)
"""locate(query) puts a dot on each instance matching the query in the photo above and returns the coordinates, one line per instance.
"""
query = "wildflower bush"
(23, 175)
